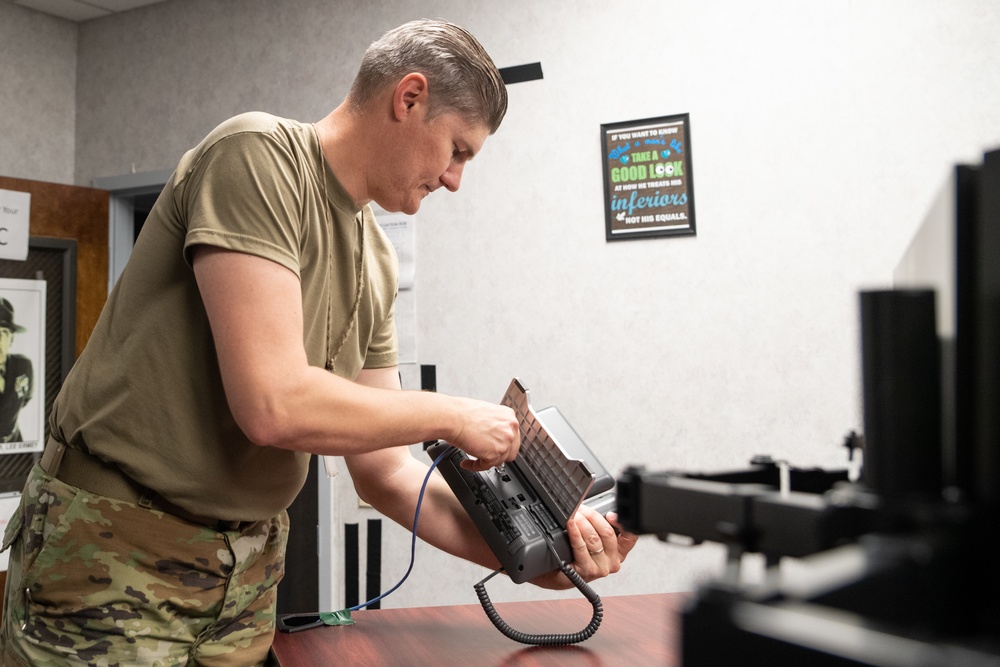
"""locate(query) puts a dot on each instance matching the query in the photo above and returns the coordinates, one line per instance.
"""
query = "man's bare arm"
(255, 309)
(390, 480)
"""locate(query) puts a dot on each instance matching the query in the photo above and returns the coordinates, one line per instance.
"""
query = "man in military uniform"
(252, 328)
(17, 377)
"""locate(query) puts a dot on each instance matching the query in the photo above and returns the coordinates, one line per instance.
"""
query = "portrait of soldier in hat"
(17, 376)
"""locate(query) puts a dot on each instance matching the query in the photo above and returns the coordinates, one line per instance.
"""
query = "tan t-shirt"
(147, 393)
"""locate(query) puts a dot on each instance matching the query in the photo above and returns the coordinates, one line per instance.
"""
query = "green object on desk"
(342, 617)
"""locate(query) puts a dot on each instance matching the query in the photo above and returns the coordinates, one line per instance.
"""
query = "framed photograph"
(648, 184)
(22, 365)
(40, 295)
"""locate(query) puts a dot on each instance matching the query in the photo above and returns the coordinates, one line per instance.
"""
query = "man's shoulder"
(256, 135)
(252, 122)
(18, 361)
(18, 365)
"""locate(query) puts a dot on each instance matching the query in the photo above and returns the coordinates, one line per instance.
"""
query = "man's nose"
(452, 177)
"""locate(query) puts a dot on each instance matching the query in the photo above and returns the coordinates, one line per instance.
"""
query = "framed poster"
(648, 184)
(41, 291)
(22, 365)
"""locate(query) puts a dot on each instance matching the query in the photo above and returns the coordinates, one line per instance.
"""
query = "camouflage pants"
(95, 581)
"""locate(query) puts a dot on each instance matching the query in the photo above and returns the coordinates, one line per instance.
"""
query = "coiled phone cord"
(549, 639)
(484, 597)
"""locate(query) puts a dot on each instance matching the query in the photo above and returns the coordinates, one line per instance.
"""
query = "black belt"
(90, 473)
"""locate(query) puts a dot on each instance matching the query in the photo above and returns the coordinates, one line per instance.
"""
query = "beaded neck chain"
(332, 351)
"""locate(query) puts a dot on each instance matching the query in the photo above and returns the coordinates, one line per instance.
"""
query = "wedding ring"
(600, 551)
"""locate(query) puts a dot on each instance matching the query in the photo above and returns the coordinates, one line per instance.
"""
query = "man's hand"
(489, 433)
(598, 550)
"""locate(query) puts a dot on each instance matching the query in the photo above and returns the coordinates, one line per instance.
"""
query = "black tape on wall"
(373, 576)
(519, 73)
(428, 377)
(351, 572)
(428, 382)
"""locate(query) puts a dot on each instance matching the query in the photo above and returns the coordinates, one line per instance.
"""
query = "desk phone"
(523, 506)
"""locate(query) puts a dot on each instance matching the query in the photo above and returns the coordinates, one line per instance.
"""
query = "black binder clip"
(297, 622)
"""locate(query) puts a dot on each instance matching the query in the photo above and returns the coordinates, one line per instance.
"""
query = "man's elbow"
(266, 426)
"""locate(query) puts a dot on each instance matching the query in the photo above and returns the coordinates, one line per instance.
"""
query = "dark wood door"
(72, 212)
(81, 214)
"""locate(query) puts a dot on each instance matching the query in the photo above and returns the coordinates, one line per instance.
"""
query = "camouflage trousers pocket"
(105, 582)
(13, 529)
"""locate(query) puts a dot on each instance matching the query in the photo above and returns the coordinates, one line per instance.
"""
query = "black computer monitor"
(956, 251)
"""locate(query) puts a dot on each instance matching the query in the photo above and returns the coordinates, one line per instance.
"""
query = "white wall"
(821, 132)
(37, 93)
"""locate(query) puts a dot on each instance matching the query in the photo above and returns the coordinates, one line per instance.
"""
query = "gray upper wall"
(154, 82)
(37, 95)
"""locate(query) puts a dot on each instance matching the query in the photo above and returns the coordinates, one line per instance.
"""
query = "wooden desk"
(637, 630)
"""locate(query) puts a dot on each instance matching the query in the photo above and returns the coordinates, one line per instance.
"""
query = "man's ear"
(410, 95)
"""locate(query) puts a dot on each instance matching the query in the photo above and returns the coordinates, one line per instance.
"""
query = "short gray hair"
(461, 75)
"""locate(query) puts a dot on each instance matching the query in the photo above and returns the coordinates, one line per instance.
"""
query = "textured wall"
(821, 132)
(37, 95)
